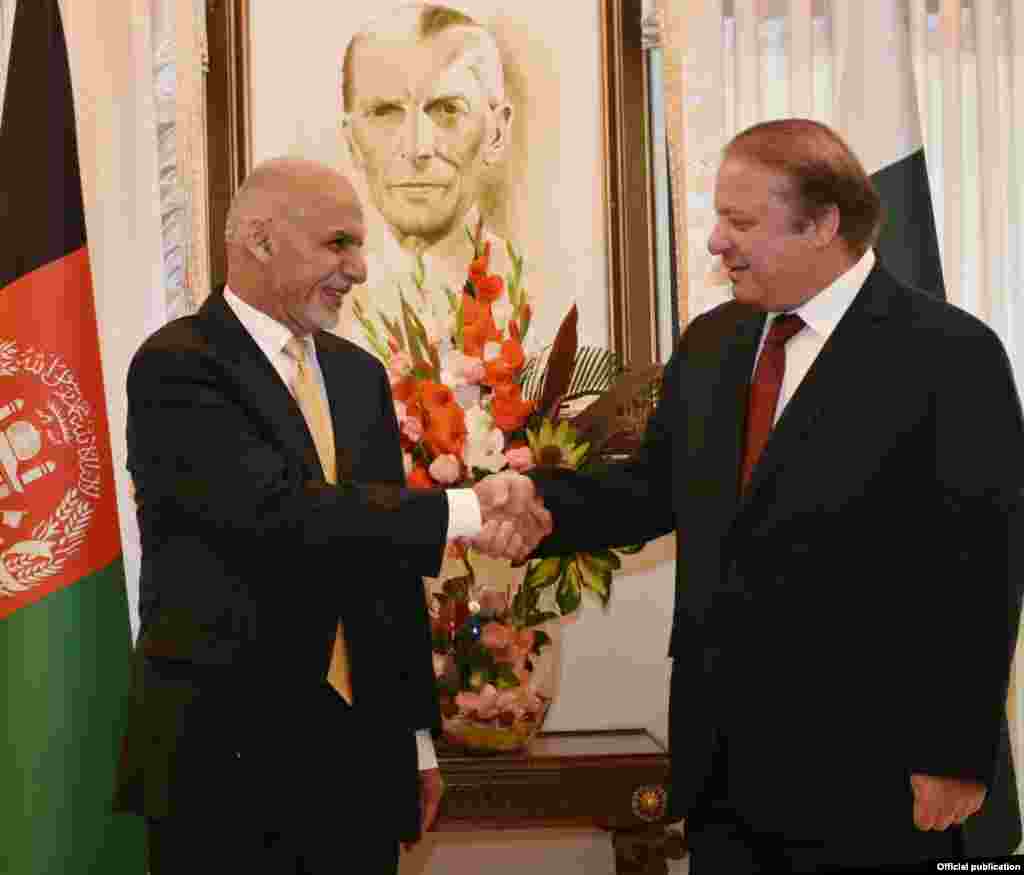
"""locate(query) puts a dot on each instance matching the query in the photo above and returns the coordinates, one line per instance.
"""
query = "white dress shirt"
(821, 315)
(464, 517)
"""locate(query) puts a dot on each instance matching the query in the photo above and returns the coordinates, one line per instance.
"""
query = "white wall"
(111, 71)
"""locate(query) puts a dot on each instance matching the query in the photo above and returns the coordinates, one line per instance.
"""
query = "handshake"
(514, 517)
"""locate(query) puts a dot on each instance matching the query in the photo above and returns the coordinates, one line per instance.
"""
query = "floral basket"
(470, 404)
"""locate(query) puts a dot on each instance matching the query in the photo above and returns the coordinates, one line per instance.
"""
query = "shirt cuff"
(464, 517)
(425, 752)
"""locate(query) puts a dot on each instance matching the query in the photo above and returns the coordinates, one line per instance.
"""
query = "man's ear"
(825, 227)
(258, 240)
(494, 148)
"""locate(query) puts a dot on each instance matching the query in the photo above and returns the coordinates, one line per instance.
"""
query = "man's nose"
(354, 267)
(717, 242)
(419, 136)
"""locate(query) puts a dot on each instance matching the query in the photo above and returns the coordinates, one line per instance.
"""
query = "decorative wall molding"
(7, 8)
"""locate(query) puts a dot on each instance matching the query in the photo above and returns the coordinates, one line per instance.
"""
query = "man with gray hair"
(425, 120)
(283, 696)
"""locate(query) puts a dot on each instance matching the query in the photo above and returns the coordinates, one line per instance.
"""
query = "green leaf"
(541, 640)
(420, 273)
(394, 330)
(596, 577)
(418, 358)
(453, 302)
(541, 573)
(601, 559)
(504, 677)
(631, 549)
(538, 617)
(570, 590)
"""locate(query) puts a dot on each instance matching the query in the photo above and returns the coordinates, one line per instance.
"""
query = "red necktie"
(765, 388)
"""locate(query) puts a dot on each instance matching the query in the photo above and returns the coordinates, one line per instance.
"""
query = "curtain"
(753, 60)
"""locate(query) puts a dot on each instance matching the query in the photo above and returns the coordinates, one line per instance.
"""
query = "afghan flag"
(878, 117)
(65, 637)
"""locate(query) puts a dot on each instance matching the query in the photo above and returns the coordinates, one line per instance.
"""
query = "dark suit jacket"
(851, 619)
(248, 560)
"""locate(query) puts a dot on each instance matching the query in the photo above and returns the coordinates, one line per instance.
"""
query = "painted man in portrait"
(425, 120)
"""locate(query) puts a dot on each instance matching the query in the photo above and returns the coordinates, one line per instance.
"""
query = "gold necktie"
(311, 402)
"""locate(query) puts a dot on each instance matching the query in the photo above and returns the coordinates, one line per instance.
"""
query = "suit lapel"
(716, 413)
(257, 379)
(831, 380)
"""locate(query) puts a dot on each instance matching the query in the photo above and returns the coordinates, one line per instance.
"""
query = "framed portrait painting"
(520, 125)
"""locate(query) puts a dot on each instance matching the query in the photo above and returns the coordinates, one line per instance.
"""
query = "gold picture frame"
(626, 172)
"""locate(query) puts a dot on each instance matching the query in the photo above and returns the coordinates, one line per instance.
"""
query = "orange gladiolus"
(489, 288)
(478, 267)
(509, 409)
(504, 366)
(419, 478)
(407, 391)
(404, 390)
(445, 430)
(478, 326)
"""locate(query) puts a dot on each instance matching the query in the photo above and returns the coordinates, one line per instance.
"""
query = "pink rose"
(525, 639)
(399, 367)
(467, 702)
(466, 368)
(508, 698)
(496, 636)
(445, 469)
(520, 459)
(493, 600)
(473, 371)
(412, 428)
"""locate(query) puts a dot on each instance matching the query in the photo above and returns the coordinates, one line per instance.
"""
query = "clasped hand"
(514, 517)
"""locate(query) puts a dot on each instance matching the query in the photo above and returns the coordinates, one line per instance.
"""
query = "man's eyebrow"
(455, 95)
(346, 236)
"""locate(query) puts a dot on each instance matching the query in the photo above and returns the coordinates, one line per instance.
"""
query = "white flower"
(502, 312)
(407, 463)
(485, 444)
(445, 469)
(467, 396)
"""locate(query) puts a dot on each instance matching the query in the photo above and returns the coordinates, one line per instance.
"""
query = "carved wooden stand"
(615, 780)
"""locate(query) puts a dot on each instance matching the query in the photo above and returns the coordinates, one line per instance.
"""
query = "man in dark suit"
(284, 693)
(842, 458)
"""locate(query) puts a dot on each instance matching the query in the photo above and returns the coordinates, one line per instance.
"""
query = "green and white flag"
(877, 115)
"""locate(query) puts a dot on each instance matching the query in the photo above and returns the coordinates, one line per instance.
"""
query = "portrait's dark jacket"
(852, 618)
(249, 558)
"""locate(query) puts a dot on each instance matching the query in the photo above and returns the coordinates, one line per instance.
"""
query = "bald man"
(284, 697)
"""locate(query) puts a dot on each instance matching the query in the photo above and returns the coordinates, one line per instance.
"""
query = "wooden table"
(615, 780)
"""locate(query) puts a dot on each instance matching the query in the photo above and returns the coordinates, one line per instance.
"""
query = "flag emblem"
(51, 476)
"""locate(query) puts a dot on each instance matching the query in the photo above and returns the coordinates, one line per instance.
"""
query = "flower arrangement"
(470, 404)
